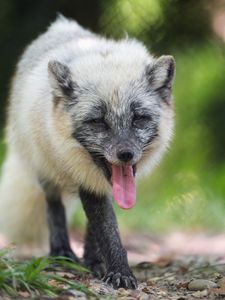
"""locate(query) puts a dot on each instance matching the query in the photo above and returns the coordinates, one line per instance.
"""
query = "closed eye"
(142, 117)
(141, 121)
(98, 122)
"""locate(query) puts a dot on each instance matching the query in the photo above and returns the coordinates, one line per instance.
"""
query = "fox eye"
(141, 121)
(98, 122)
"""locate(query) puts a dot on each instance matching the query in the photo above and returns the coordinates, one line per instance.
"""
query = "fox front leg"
(103, 224)
(58, 234)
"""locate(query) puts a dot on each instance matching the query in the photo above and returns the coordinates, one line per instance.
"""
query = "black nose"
(125, 155)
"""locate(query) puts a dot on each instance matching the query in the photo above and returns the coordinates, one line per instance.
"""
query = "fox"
(87, 117)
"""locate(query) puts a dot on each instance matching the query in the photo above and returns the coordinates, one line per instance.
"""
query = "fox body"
(87, 116)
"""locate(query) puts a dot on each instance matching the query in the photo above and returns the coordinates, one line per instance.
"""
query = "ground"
(175, 266)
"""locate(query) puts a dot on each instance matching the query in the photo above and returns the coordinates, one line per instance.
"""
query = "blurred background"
(187, 190)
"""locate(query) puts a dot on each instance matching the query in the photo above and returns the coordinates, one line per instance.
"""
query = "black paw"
(65, 252)
(121, 280)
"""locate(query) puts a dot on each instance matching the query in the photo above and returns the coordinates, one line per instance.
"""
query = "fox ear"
(160, 76)
(61, 80)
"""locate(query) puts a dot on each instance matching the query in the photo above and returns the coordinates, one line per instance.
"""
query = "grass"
(35, 276)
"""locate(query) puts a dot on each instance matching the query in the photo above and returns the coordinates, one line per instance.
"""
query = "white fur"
(39, 135)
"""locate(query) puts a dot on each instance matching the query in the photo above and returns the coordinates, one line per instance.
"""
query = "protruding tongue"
(124, 190)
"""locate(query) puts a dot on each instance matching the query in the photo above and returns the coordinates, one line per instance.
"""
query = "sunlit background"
(187, 190)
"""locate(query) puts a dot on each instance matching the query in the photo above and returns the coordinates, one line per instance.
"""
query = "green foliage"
(2, 151)
(135, 17)
(164, 25)
(34, 276)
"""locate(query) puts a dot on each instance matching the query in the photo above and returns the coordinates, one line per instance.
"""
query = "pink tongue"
(124, 190)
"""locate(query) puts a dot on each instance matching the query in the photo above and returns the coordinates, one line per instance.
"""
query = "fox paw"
(120, 280)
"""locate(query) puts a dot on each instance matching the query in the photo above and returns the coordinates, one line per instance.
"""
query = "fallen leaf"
(164, 261)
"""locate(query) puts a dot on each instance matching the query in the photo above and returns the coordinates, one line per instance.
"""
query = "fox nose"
(125, 155)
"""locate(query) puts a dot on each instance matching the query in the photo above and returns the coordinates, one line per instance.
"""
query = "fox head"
(121, 109)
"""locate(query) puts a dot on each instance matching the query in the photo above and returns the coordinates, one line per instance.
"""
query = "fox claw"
(118, 280)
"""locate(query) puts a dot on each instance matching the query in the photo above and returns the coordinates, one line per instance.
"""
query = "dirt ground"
(176, 266)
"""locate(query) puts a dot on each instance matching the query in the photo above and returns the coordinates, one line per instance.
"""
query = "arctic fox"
(87, 115)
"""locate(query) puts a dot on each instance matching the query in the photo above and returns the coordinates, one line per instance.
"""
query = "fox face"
(117, 122)
(118, 136)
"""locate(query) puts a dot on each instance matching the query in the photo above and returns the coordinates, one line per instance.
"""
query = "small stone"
(102, 288)
(162, 293)
(121, 290)
(201, 284)
(144, 296)
(135, 293)
(200, 294)
(171, 278)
